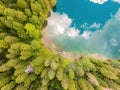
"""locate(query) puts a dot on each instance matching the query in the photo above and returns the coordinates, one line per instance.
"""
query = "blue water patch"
(82, 11)
(85, 27)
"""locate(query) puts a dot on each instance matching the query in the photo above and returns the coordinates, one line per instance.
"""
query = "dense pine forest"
(25, 64)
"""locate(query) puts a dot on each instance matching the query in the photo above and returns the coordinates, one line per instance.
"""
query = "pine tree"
(65, 82)
(52, 2)
(4, 81)
(21, 87)
(71, 74)
(115, 64)
(108, 74)
(36, 8)
(39, 69)
(47, 63)
(54, 65)
(79, 70)
(3, 44)
(44, 87)
(33, 33)
(112, 84)
(19, 15)
(29, 80)
(45, 81)
(60, 73)
(28, 12)
(92, 79)
(8, 65)
(51, 74)
(14, 51)
(19, 71)
(2, 8)
(87, 64)
(9, 86)
(11, 40)
(25, 51)
(22, 4)
(72, 85)
(35, 20)
(21, 65)
(21, 78)
(82, 84)
(44, 73)
(102, 82)
(37, 61)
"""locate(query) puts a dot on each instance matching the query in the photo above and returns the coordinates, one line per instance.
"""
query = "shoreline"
(48, 42)
(55, 48)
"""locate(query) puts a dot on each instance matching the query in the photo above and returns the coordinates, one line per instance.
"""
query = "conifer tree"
(9, 86)
(65, 82)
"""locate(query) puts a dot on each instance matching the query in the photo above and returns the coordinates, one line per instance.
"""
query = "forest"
(26, 64)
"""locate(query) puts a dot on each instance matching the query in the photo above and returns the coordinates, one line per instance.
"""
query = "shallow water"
(85, 27)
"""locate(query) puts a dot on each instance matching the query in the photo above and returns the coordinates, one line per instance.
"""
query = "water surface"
(85, 27)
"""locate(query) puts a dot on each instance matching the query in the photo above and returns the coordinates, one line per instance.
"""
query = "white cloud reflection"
(99, 1)
(103, 1)
(105, 42)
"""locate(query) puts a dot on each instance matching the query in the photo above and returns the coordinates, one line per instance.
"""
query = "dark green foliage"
(25, 64)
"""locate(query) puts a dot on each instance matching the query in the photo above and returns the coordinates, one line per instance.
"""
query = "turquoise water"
(85, 27)
(82, 11)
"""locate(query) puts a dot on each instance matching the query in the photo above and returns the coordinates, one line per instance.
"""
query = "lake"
(86, 27)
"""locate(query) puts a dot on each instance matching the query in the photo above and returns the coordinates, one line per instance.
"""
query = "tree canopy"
(25, 64)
